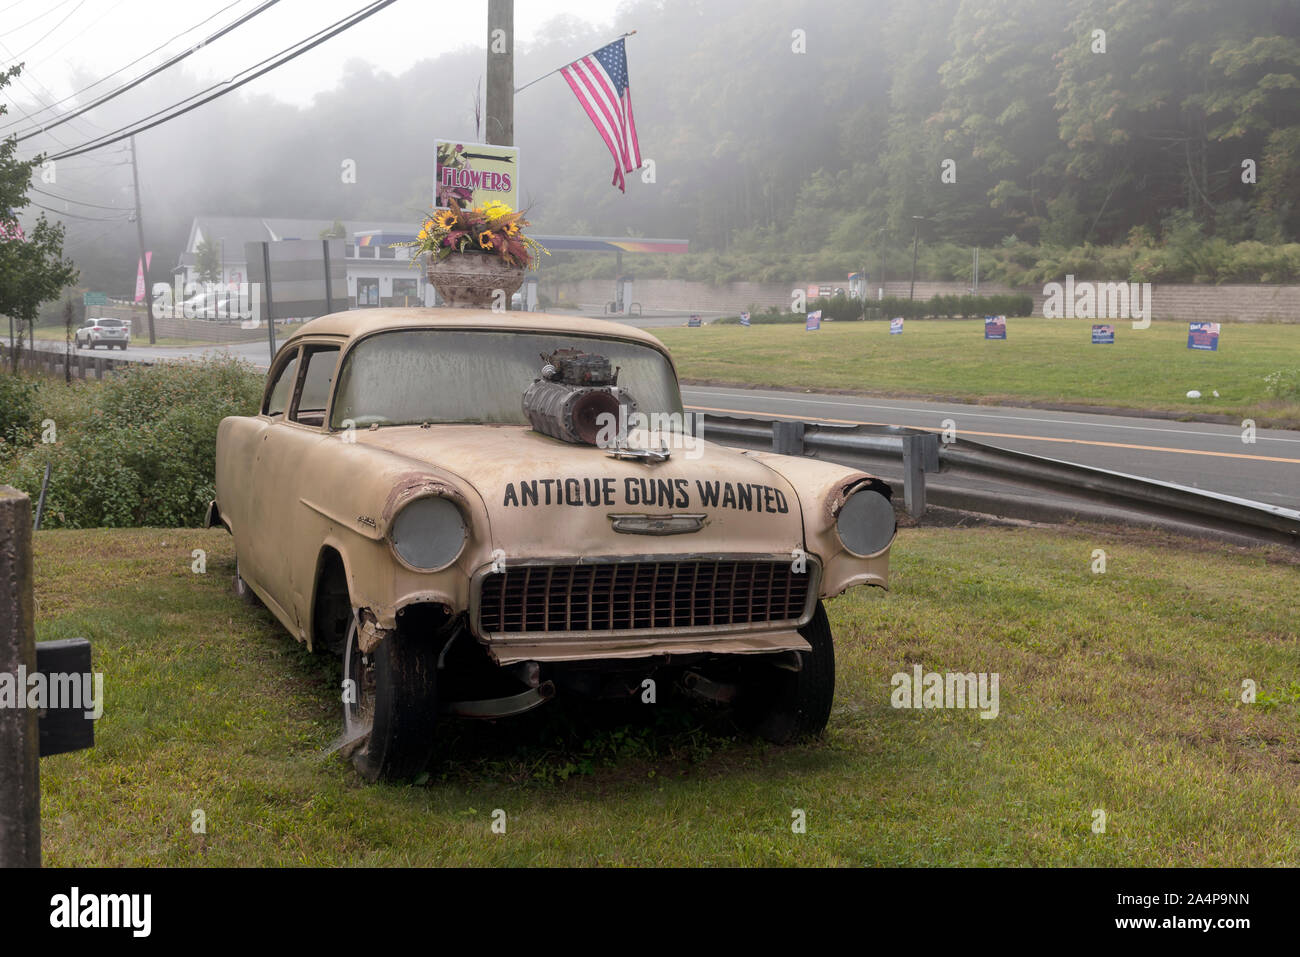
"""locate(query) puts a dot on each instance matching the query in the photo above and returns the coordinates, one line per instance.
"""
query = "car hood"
(548, 498)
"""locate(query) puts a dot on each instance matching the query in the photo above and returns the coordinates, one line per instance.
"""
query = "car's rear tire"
(782, 705)
(395, 706)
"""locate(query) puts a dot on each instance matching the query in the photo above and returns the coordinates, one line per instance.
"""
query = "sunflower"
(485, 239)
(443, 220)
(512, 229)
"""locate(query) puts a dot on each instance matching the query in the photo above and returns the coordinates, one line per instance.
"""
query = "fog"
(772, 126)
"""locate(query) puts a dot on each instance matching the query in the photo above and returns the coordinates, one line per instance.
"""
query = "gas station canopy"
(613, 244)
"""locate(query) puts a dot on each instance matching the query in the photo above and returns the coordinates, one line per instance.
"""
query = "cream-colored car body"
(290, 492)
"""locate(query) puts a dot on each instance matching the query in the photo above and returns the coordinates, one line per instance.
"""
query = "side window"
(316, 382)
(283, 388)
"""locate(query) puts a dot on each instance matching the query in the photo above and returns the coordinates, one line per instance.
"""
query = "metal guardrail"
(957, 468)
(1164, 498)
(919, 450)
(82, 365)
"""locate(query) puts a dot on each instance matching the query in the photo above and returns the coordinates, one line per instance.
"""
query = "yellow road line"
(1009, 435)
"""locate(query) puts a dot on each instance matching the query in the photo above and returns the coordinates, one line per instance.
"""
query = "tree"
(32, 267)
(336, 231)
(207, 261)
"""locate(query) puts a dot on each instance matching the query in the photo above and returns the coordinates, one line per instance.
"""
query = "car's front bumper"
(595, 649)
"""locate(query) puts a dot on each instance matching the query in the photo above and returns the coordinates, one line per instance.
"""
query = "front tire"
(783, 706)
(394, 706)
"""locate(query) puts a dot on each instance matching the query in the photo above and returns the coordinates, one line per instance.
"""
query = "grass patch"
(1118, 691)
(1042, 360)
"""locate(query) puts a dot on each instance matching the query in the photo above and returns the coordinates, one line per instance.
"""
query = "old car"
(481, 511)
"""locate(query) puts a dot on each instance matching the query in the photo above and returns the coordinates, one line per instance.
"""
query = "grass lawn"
(1118, 692)
(1042, 360)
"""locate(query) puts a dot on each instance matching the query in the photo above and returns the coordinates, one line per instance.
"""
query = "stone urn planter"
(470, 280)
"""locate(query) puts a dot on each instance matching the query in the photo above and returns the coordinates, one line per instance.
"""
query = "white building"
(378, 275)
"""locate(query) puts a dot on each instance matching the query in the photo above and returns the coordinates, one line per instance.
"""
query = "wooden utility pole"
(20, 782)
(139, 235)
(499, 123)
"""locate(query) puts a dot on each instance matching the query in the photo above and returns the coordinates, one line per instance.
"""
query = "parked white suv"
(103, 332)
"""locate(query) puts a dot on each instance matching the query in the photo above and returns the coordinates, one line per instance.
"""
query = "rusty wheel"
(358, 687)
(390, 707)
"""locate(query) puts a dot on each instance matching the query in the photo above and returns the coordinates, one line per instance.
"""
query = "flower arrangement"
(492, 228)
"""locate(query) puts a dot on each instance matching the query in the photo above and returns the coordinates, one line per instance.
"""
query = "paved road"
(258, 352)
(1203, 456)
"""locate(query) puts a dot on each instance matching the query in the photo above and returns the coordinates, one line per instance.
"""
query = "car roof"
(360, 322)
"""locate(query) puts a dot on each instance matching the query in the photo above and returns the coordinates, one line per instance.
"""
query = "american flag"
(11, 229)
(599, 81)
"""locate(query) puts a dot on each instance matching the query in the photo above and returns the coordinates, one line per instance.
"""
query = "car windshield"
(409, 377)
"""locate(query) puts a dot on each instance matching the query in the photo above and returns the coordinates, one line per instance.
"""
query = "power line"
(132, 63)
(333, 30)
(42, 14)
(17, 3)
(93, 235)
(69, 199)
(93, 219)
(85, 28)
(19, 78)
(33, 46)
(22, 80)
(114, 94)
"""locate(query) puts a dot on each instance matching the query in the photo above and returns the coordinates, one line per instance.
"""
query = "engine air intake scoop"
(576, 397)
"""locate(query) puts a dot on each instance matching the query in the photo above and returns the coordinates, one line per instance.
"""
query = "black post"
(40, 502)
(270, 304)
(329, 294)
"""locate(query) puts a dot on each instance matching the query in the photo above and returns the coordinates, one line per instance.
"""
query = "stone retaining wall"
(1170, 301)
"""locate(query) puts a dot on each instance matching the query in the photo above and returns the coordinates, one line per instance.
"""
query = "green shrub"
(18, 420)
(142, 451)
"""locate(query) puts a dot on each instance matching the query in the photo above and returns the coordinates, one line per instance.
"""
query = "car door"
(281, 481)
(240, 477)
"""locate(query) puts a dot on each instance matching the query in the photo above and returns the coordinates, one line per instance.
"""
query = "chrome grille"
(643, 595)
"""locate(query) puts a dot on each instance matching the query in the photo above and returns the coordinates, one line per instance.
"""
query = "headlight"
(866, 523)
(428, 534)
